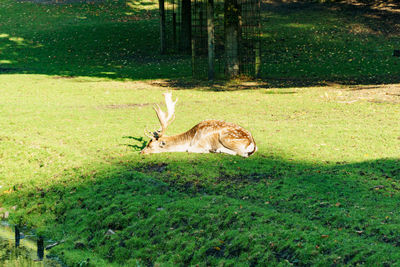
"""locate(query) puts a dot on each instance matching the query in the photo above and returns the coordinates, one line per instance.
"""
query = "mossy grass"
(323, 188)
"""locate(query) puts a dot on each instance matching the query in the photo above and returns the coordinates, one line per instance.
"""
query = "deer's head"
(158, 142)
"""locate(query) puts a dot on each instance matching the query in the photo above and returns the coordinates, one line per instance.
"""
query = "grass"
(111, 39)
(311, 44)
(322, 189)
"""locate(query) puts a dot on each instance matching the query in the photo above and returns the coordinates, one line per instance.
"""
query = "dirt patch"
(387, 93)
(159, 167)
(387, 6)
(374, 17)
(378, 17)
(234, 85)
(63, 77)
(122, 106)
(358, 28)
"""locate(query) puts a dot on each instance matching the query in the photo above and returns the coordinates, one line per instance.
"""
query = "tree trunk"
(193, 44)
(231, 25)
(174, 29)
(186, 29)
(257, 60)
(210, 35)
(162, 26)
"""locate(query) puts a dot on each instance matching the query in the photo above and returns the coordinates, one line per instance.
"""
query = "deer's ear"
(156, 135)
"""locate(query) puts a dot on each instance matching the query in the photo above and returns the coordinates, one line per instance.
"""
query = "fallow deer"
(209, 136)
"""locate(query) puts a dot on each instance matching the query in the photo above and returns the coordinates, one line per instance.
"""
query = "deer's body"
(209, 136)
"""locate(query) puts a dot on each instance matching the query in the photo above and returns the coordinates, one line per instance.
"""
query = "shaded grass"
(114, 39)
(311, 44)
(292, 213)
(302, 44)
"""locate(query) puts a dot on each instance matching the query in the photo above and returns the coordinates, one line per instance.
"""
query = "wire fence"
(248, 36)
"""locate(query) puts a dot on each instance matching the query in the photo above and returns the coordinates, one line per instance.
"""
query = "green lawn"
(323, 189)
(311, 44)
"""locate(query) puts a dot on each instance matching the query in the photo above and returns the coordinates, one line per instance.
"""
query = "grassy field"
(308, 44)
(78, 82)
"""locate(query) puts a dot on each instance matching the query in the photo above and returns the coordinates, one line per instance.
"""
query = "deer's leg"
(225, 150)
(199, 146)
(232, 146)
(203, 144)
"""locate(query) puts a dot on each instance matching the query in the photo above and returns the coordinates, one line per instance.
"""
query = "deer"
(208, 136)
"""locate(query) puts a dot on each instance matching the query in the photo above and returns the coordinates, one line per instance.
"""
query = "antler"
(148, 134)
(164, 119)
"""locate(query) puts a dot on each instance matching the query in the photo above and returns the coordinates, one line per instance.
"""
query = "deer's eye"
(162, 143)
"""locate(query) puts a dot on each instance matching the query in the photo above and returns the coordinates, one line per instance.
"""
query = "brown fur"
(207, 136)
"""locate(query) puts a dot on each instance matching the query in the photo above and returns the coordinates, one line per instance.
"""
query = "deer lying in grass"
(209, 136)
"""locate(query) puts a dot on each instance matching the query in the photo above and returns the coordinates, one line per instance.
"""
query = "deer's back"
(222, 128)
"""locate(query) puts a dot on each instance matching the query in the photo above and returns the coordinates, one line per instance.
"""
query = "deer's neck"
(180, 142)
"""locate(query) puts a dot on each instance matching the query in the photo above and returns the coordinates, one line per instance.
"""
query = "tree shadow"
(297, 49)
(108, 39)
(309, 52)
(191, 207)
(385, 14)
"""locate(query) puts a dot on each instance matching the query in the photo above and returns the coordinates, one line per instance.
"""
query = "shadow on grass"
(212, 209)
(142, 143)
(298, 50)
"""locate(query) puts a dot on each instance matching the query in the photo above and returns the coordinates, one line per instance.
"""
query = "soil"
(386, 93)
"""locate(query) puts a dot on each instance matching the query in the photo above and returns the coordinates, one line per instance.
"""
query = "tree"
(232, 35)
(210, 38)
(161, 8)
(186, 28)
